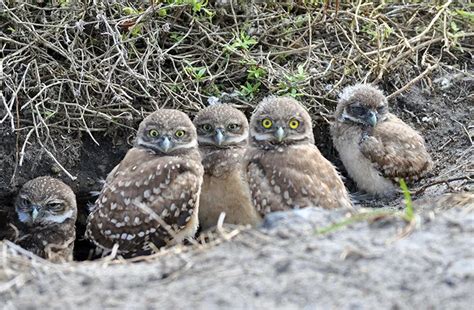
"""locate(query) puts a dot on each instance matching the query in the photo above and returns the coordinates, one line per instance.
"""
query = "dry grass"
(92, 67)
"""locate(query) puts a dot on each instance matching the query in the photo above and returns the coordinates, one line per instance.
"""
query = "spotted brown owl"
(223, 138)
(151, 199)
(284, 168)
(375, 146)
(47, 212)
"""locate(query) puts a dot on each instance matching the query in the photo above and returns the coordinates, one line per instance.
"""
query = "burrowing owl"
(375, 146)
(47, 212)
(284, 168)
(152, 196)
(223, 138)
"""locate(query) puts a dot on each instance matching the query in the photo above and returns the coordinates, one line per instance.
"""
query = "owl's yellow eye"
(294, 123)
(267, 123)
(179, 133)
(153, 133)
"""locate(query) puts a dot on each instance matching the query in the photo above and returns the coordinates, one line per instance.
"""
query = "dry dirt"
(285, 265)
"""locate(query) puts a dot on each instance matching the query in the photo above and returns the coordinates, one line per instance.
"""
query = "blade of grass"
(409, 214)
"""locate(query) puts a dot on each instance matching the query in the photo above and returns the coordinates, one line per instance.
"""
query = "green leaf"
(136, 30)
(129, 11)
(201, 72)
(162, 12)
(409, 214)
(466, 14)
(454, 27)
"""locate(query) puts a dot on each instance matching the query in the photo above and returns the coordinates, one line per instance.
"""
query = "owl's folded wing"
(146, 201)
(401, 155)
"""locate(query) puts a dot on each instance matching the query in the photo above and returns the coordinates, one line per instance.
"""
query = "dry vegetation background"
(77, 71)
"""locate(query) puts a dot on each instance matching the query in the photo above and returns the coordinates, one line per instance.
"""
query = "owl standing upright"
(375, 146)
(47, 212)
(151, 199)
(284, 168)
(223, 138)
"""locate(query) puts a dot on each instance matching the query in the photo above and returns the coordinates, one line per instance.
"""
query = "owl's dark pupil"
(207, 127)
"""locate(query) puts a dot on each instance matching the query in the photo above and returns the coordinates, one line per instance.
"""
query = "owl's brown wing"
(148, 199)
(298, 177)
(396, 150)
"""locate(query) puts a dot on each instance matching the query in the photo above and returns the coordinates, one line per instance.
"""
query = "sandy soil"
(286, 265)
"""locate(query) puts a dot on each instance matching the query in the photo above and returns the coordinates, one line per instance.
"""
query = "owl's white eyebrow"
(59, 218)
(346, 116)
(55, 201)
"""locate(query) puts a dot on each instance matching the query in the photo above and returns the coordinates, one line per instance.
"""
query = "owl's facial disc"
(37, 212)
(361, 114)
(221, 126)
(222, 136)
(280, 131)
(166, 141)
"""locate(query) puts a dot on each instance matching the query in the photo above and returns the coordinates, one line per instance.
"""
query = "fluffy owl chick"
(374, 145)
(151, 198)
(47, 212)
(223, 138)
(285, 169)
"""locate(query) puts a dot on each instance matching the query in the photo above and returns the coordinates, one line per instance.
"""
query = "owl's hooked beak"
(219, 136)
(165, 144)
(371, 118)
(34, 213)
(280, 134)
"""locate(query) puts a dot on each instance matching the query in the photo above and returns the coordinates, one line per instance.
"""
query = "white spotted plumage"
(46, 210)
(148, 183)
(284, 168)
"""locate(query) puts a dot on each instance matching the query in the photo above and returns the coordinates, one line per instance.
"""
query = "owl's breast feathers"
(146, 199)
(52, 242)
(220, 162)
(297, 177)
